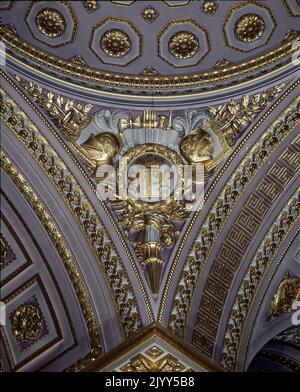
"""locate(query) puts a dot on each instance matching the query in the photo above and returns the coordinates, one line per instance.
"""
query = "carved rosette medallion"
(50, 22)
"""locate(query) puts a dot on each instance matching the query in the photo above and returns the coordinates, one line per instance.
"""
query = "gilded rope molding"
(253, 278)
(9, 36)
(218, 214)
(66, 255)
(87, 218)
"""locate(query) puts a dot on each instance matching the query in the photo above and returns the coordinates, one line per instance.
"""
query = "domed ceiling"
(92, 89)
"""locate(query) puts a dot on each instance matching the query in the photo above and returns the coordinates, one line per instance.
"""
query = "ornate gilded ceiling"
(89, 91)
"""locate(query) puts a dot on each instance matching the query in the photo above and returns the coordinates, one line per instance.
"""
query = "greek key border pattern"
(254, 277)
(221, 209)
(237, 242)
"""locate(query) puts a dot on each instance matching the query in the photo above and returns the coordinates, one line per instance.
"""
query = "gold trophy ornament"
(101, 149)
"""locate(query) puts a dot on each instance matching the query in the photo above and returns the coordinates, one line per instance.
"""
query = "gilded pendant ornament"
(249, 28)
(183, 45)
(151, 221)
(115, 43)
(27, 322)
(50, 22)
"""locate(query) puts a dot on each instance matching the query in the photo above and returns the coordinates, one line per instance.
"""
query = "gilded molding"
(10, 37)
(253, 278)
(218, 215)
(83, 211)
(64, 252)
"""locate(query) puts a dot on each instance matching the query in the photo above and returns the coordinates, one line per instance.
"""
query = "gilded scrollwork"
(251, 281)
(7, 255)
(141, 363)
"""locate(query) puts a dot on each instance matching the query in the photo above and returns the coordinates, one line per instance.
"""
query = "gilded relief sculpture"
(150, 223)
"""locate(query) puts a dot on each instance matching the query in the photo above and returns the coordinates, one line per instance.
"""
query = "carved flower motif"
(26, 322)
(150, 14)
(249, 27)
(90, 5)
(210, 7)
(183, 45)
(50, 22)
(115, 43)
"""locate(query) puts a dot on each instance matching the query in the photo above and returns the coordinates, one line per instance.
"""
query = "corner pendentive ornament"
(151, 214)
(105, 139)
